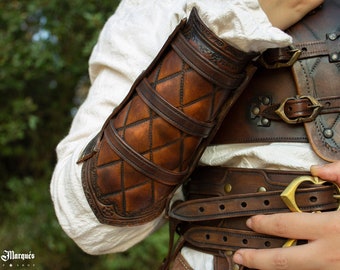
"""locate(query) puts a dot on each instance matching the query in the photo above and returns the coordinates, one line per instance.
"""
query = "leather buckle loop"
(295, 56)
(288, 196)
(316, 106)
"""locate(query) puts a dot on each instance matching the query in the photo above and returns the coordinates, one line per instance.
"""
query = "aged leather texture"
(212, 219)
(320, 77)
(219, 200)
(151, 143)
(315, 74)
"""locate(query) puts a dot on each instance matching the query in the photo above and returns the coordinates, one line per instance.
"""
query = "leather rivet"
(228, 188)
(264, 121)
(236, 267)
(328, 133)
(256, 110)
(261, 189)
(229, 253)
(334, 56)
(266, 100)
(332, 36)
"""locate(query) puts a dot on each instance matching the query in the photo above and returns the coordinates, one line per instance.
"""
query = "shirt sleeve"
(129, 41)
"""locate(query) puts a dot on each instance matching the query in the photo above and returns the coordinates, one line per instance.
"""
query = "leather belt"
(211, 238)
(317, 48)
(309, 199)
(219, 201)
(300, 109)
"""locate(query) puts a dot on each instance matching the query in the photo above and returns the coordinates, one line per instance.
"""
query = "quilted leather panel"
(146, 148)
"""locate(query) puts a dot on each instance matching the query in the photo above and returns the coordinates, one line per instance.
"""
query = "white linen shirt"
(128, 43)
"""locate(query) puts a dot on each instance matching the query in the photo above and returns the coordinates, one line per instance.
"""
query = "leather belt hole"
(244, 204)
(222, 207)
(245, 242)
(225, 239)
(313, 199)
(201, 209)
(207, 236)
(267, 244)
(266, 202)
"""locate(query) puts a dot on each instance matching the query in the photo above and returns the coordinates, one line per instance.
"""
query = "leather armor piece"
(319, 77)
(314, 76)
(151, 143)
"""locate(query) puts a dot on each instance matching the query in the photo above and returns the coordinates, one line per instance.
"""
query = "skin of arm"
(285, 13)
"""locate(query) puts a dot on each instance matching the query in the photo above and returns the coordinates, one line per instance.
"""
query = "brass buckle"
(295, 56)
(316, 105)
(288, 196)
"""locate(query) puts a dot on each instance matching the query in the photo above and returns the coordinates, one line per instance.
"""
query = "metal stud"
(261, 189)
(228, 188)
(334, 56)
(265, 121)
(229, 253)
(256, 110)
(328, 133)
(236, 267)
(332, 36)
(266, 100)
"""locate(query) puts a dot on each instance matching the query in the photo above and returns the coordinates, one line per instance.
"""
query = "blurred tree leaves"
(45, 46)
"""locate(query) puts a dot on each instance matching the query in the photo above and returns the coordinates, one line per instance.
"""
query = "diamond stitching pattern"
(137, 114)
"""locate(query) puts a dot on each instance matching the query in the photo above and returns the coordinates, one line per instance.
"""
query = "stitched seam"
(184, 263)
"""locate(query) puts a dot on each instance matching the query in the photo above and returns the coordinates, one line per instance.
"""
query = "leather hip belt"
(219, 201)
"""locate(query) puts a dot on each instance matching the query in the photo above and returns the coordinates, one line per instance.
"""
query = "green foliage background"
(44, 51)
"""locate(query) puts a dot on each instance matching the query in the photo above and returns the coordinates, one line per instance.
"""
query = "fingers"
(330, 172)
(321, 229)
(297, 257)
(307, 226)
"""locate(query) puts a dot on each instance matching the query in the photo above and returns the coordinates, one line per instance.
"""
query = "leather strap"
(139, 162)
(212, 238)
(309, 200)
(219, 200)
(203, 66)
(309, 49)
(173, 115)
(180, 263)
(303, 108)
(294, 96)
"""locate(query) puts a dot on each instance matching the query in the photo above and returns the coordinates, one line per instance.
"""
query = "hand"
(285, 13)
(322, 230)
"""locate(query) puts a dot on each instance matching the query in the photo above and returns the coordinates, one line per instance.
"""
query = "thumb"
(330, 172)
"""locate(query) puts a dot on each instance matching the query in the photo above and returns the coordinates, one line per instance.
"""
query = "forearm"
(123, 51)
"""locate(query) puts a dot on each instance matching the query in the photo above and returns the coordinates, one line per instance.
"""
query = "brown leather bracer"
(151, 143)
